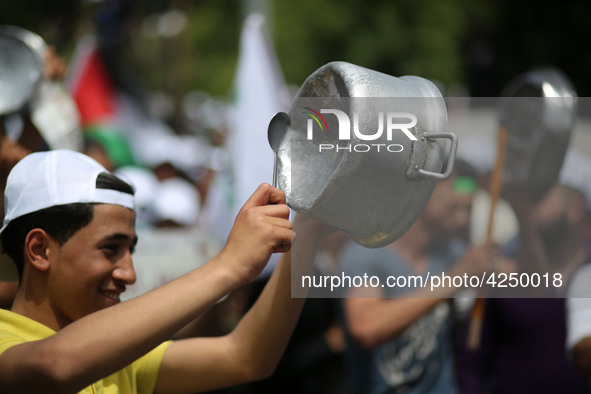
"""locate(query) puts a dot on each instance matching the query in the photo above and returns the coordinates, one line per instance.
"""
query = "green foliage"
(478, 43)
(396, 37)
(203, 56)
(213, 39)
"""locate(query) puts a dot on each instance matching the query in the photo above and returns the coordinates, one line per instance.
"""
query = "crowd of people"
(204, 319)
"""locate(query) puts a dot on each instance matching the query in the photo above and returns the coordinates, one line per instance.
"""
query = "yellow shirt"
(138, 377)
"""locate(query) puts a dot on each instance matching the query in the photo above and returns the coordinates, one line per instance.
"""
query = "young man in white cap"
(69, 228)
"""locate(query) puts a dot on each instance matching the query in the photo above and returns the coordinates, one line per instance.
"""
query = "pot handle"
(450, 159)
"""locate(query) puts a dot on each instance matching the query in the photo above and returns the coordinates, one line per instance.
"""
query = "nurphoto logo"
(395, 122)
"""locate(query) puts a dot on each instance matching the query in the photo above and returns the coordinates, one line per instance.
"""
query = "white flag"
(259, 92)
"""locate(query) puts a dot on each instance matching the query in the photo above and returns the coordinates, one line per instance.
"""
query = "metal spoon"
(275, 134)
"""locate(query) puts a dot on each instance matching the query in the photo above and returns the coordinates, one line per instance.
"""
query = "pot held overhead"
(362, 151)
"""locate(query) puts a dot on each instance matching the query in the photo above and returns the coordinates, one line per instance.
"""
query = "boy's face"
(92, 268)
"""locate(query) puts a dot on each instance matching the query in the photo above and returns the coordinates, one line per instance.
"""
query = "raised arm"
(103, 342)
(373, 320)
(253, 349)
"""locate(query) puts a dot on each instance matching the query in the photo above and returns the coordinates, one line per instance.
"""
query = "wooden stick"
(495, 188)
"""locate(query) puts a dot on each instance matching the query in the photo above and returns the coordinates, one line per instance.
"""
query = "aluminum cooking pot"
(53, 111)
(21, 67)
(538, 109)
(362, 151)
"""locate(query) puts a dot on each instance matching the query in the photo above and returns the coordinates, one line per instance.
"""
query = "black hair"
(61, 222)
(106, 180)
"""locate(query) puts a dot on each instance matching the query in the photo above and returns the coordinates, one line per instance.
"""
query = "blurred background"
(186, 88)
(167, 91)
(176, 96)
(173, 47)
